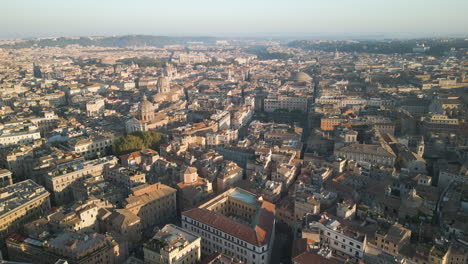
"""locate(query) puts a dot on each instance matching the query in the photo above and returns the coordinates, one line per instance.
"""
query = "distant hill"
(438, 47)
(118, 41)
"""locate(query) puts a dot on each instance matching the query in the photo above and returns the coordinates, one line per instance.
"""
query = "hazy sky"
(26, 18)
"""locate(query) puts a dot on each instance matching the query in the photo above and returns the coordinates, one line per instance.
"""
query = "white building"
(95, 108)
(92, 146)
(18, 133)
(223, 119)
(340, 239)
(289, 103)
(173, 245)
(242, 117)
(134, 125)
(222, 137)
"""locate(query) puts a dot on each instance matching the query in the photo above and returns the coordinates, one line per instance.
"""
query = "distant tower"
(243, 94)
(37, 71)
(421, 147)
(189, 175)
(248, 76)
(337, 54)
(170, 71)
(229, 77)
(163, 84)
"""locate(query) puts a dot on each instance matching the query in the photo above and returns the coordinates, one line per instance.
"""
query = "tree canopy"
(136, 141)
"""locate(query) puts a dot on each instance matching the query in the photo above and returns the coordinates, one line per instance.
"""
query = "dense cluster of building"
(324, 157)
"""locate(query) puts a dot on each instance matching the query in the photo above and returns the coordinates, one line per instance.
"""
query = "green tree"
(150, 139)
(136, 141)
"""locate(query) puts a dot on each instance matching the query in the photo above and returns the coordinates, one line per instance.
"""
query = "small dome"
(146, 106)
(163, 84)
(301, 77)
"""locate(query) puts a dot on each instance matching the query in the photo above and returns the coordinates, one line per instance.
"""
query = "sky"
(45, 18)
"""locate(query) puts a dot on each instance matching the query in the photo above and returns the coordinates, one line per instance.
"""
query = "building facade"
(235, 223)
(155, 204)
(21, 202)
(173, 245)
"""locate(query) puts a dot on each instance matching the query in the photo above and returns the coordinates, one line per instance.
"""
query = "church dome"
(163, 84)
(146, 106)
(146, 112)
(301, 77)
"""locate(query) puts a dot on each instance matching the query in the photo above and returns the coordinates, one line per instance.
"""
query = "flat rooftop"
(18, 194)
(170, 238)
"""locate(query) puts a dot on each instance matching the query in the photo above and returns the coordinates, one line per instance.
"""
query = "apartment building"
(95, 108)
(59, 180)
(338, 236)
(380, 154)
(15, 133)
(290, 103)
(222, 137)
(76, 248)
(392, 240)
(125, 176)
(235, 223)
(90, 147)
(5, 178)
(173, 245)
(155, 204)
(21, 202)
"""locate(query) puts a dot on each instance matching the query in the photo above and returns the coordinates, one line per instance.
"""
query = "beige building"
(59, 180)
(75, 248)
(126, 177)
(346, 209)
(5, 178)
(95, 108)
(379, 154)
(90, 147)
(305, 205)
(393, 239)
(229, 174)
(122, 222)
(80, 217)
(155, 204)
(19, 160)
(290, 103)
(173, 245)
(18, 133)
(20, 203)
(222, 137)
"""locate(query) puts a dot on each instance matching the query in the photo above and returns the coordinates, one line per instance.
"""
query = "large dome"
(301, 77)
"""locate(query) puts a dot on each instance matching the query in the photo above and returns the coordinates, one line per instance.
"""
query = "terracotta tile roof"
(223, 223)
(145, 193)
(137, 154)
(259, 235)
(131, 156)
(311, 258)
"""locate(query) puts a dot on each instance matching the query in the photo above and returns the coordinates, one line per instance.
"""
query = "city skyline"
(335, 19)
(241, 132)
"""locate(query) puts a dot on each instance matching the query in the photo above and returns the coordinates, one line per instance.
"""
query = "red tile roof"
(311, 258)
(259, 235)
